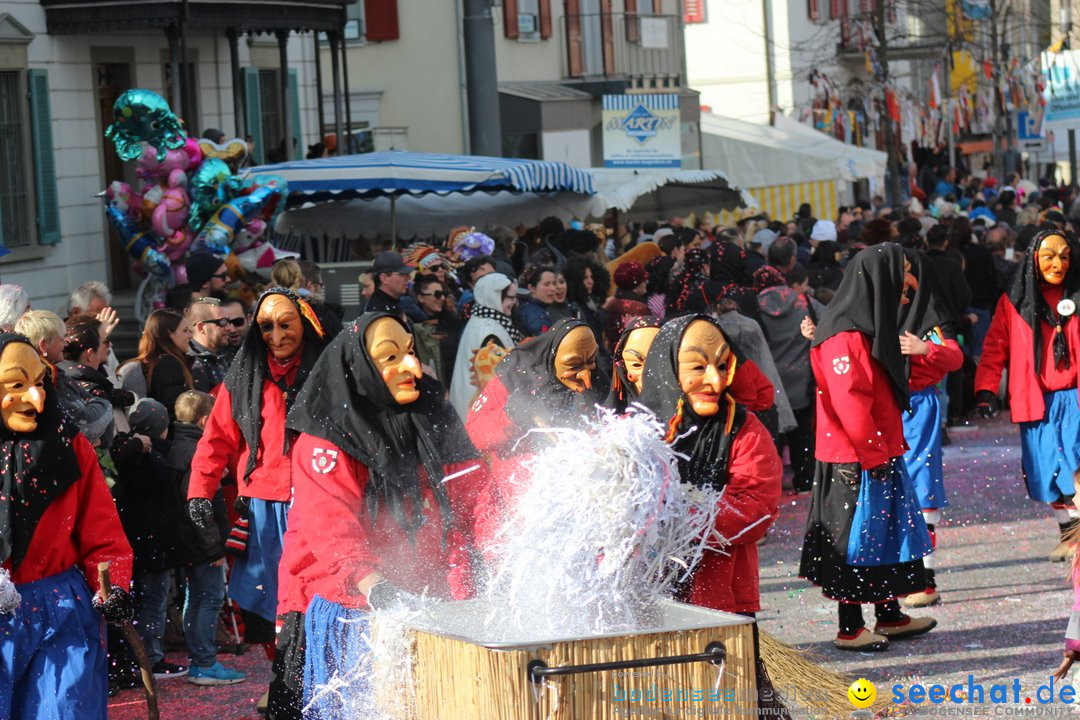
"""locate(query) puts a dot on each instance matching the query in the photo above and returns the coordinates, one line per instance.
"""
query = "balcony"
(645, 50)
(79, 17)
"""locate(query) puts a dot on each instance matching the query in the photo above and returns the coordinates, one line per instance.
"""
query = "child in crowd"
(206, 569)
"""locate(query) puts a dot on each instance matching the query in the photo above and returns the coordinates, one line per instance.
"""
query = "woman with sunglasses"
(163, 357)
(437, 336)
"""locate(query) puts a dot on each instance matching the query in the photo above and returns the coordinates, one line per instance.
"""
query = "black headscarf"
(535, 394)
(927, 309)
(347, 403)
(250, 369)
(1026, 296)
(37, 468)
(825, 270)
(687, 292)
(704, 441)
(868, 301)
(623, 392)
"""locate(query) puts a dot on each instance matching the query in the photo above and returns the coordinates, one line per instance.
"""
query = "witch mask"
(575, 359)
(1053, 256)
(390, 347)
(635, 351)
(704, 366)
(22, 387)
(281, 326)
(910, 286)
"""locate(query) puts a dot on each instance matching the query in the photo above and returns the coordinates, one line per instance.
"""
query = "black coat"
(206, 544)
(954, 286)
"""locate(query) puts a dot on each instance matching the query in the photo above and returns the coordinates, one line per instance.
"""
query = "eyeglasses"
(434, 268)
(235, 322)
(438, 294)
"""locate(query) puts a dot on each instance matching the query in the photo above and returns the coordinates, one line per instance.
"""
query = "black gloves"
(987, 403)
(121, 398)
(201, 513)
(385, 596)
(118, 609)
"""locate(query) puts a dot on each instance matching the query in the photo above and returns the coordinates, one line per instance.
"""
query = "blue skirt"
(1051, 448)
(888, 526)
(922, 430)
(337, 650)
(52, 653)
(254, 579)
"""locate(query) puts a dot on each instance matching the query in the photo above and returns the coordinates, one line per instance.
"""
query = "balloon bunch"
(190, 196)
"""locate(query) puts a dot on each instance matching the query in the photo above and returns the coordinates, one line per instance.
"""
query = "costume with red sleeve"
(382, 489)
(57, 524)
(922, 423)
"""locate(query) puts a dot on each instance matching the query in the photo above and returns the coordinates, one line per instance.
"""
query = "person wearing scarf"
(489, 328)
(722, 447)
(628, 302)
(246, 434)
(865, 537)
(58, 523)
(391, 499)
(1035, 335)
(628, 366)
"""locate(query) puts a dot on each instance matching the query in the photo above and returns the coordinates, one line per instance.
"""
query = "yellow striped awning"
(780, 202)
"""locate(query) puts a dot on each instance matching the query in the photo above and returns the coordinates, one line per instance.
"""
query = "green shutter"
(294, 110)
(253, 111)
(47, 196)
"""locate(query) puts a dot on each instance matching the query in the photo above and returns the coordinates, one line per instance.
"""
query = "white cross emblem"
(323, 461)
(841, 365)
(479, 403)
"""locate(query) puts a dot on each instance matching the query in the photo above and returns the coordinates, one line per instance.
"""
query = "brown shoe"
(1064, 551)
(260, 706)
(926, 598)
(862, 641)
(908, 627)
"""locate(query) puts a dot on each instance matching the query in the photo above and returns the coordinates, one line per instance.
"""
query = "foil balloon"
(140, 244)
(210, 186)
(121, 196)
(176, 245)
(142, 116)
(221, 230)
(232, 151)
(171, 212)
(276, 204)
(171, 171)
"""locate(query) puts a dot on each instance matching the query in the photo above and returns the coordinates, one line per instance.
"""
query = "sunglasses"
(220, 276)
(220, 322)
(438, 294)
(235, 322)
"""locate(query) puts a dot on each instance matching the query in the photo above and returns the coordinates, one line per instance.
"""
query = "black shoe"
(166, 670)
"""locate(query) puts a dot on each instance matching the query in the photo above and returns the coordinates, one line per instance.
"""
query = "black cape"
(623, 392)
(346, 402)
(927, 309)
(534, 393)
(868, 301)
(1026, 296)
(704, 441)
(250, 369)
(37, 468)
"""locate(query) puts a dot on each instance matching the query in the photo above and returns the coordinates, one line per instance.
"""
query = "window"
(190, 72)
(527, 20)
(16, 227)
(354, 22)
(262, 114)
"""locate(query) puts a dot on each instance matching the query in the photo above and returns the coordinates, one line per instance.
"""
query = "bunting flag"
(988, 69)
(892, 105)
(935, 89)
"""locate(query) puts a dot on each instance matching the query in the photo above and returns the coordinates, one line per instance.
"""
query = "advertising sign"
(642, 131)
(1062, 86)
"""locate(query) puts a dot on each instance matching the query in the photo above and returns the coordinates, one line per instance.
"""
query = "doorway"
(112, 80)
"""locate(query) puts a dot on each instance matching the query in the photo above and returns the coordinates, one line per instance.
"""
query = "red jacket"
(1008, 344)
(730, 582)
(80, 528)
(858, 418)
(331, 544)
(930, 369)
(222, 448)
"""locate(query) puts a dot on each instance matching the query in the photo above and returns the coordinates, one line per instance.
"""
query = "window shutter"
(294, 108)
(607, 32)
(381, 20)
(575, 50)
(253, 111)
(633, 23)
(545, 19)
(694, 11)
(834, 9)
(812, 10)
(510, 19)
(657, 7)
(48, 198)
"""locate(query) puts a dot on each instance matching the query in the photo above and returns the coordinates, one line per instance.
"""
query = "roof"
(543, 91)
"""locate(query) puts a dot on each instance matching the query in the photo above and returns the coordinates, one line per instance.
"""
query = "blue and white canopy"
(396, 173)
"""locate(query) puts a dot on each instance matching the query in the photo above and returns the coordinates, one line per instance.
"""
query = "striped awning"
(781, 202)
(396, 173)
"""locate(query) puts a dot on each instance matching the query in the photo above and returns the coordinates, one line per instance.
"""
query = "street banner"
(1062, 93)
(641, 131)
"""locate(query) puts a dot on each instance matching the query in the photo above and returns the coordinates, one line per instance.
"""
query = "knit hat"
(149, 417)
(201, 267)
(629, 275)
(823, 230)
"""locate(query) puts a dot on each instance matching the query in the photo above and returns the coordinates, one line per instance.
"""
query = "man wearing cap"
(206, 274)
(391, 276)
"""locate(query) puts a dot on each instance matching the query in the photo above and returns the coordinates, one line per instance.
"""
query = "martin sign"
(642, 131)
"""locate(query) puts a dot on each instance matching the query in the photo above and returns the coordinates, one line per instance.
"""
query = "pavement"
(1004, 606)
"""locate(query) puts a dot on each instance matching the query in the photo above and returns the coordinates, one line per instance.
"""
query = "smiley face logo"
(862, 693)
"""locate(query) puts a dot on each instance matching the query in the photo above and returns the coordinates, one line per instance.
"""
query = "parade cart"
(682, 661)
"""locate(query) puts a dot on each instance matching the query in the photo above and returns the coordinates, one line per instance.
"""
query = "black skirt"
(825, 544)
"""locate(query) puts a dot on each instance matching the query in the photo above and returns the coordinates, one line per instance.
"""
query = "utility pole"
(770, 63)
(1066, 31)
(892, 161)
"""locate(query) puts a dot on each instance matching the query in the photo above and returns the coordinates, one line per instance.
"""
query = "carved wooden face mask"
(281, 326)
(575, 359)
(635, 351)
(22, 387)
(390, 347)
(704, 366)
(1053, 256)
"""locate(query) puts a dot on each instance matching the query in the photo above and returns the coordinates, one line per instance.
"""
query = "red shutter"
(607, 31)
(510, 18)
(812, 10)
(575, 51)
(633, 23)
(381, 20)
(694, 11)
(834, 9)
(657, 7)
(545, 18)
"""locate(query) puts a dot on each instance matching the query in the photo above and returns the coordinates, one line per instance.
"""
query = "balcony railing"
(645, 49)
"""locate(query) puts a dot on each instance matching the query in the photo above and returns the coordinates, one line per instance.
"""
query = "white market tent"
(787, 164)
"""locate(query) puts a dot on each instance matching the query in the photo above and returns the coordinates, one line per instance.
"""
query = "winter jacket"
(210, 542)
(167, 382)
(207, 368)
(858, 418)
(1008, 345)
(535, 318)
(782, 313)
